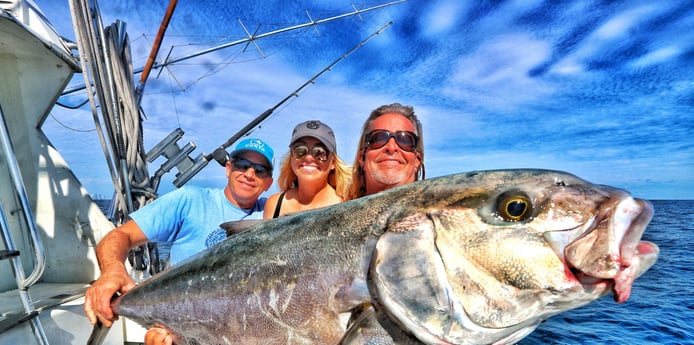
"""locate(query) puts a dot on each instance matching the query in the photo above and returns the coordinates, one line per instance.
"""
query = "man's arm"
(111, 253)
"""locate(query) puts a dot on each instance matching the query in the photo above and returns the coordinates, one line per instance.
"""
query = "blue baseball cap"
(256, 145)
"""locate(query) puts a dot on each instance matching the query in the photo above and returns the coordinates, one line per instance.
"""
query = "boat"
(50, 222)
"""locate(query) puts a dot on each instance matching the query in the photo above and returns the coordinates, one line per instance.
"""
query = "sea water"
(661, 307)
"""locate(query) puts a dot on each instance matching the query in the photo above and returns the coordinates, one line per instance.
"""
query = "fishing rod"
(220, 154)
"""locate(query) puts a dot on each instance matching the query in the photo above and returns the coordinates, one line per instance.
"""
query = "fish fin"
(236, 226)
(372, 327)
(408, 279)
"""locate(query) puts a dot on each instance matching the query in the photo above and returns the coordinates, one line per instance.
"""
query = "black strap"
(279, 205)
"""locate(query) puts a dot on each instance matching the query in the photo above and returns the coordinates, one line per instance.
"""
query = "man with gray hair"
(382, 163)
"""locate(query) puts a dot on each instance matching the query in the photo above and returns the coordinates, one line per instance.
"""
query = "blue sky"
(604, 90)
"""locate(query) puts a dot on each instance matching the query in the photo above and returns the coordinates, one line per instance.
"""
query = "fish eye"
(514, 207)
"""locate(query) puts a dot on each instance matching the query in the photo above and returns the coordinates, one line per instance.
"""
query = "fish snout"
(612, 249)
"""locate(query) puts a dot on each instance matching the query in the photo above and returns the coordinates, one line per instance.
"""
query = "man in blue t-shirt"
(187, 218)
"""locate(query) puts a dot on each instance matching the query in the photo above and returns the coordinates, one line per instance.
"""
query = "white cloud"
(497, 74)
(655, 57)
(442, 17)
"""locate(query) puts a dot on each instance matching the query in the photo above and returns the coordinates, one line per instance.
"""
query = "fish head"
(490, 255)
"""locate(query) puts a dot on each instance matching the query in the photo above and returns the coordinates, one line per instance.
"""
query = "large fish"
(479, 257)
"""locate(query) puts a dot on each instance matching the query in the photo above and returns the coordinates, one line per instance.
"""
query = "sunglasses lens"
(377, 139)
(242, 164)
(300, 151)
(406, 140)
(261, 171)
(318, 152)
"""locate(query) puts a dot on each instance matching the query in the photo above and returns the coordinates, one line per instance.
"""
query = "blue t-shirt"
(189, 218)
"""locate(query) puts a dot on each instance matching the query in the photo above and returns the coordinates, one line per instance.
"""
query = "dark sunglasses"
(244, 164)
(406, 140)
(318, 152)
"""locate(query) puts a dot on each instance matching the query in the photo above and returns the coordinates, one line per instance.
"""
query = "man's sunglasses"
(244, 164)
(406, 140)
(318, 152)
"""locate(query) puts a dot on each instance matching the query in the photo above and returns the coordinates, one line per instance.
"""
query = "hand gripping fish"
(474, 258)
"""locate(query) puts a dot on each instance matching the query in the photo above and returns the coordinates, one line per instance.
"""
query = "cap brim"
(238, 152)
(323, 141)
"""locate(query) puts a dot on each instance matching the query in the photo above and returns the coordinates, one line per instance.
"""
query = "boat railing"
(11, 253)
(15, 175)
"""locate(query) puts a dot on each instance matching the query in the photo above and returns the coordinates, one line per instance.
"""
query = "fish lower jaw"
(593, 284)
(620, 277)
(588, 280)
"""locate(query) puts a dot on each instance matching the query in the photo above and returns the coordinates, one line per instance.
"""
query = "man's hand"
(111, 253)
(158, 336)
(97, 303)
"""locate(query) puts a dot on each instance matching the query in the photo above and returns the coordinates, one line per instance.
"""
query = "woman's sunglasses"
(244, 164)
(320, 153)
(406, 140)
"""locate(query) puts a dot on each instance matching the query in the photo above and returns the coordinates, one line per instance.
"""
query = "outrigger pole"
(139, 90)
(250, 39)
(220, 154)
(253, 38)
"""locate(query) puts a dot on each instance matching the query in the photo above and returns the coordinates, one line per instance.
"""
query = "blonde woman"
(312, 175)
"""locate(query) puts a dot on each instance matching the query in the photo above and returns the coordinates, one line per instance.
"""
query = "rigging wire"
(62, 124)
(171, 78)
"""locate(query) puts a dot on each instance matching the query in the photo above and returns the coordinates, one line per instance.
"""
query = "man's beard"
(390, 177)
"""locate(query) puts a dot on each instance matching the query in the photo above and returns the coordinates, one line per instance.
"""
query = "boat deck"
(44, 297)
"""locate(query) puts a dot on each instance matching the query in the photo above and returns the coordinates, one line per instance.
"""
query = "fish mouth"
(610, 252)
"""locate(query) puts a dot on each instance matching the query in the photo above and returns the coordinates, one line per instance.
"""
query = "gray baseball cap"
(315, 129)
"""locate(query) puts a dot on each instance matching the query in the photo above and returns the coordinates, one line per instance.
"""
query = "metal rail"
(16, 177)
(23, 282)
